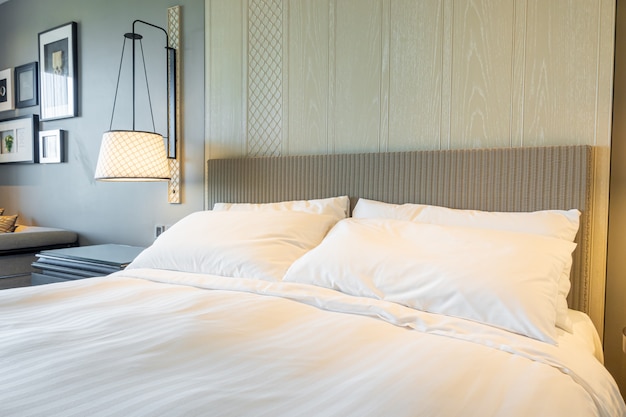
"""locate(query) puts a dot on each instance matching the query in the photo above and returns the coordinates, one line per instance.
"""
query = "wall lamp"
(134, 155)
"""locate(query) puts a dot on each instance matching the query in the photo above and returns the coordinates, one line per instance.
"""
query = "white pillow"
(339, 207)
(259, 244)
(560, 224)
(504, 279)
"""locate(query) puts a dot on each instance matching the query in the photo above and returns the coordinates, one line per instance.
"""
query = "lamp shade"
(128, 155)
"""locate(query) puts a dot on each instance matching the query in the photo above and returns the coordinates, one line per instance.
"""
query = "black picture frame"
(26, 80)
(6, 90)
(58, 72)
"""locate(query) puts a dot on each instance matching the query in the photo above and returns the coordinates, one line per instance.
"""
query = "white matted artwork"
(17, 139)
(51, 146)
(6, 90)
(58, 82)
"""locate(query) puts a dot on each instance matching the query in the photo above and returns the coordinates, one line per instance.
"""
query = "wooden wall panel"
(369, 75)
(481, 75)
(358, 71)
(226, 93)
(416, 75)
(561, 72)
(309, 35)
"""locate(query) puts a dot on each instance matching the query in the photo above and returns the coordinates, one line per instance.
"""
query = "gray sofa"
(18, 249)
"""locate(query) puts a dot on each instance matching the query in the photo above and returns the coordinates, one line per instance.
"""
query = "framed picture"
(58, 72)
(18, 139)
(51, 146)
(26, 85)
(6, 90)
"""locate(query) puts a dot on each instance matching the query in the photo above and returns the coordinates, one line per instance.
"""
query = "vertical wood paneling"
(358, 75)
(226, 117)
(332, 73)
(604, 86)
(447, 17)
(518, 79)
(369, 75)
(416, 74)
(385, 41)
(481, 83)
(561, 72)
(308, 76)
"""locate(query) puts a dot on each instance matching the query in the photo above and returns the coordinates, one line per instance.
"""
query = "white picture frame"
(51, 146)
(18, 139)
(58, 72)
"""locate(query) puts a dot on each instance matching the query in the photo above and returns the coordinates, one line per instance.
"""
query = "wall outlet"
(158, 229)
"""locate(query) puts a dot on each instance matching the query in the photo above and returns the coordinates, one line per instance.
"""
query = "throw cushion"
(7, 223)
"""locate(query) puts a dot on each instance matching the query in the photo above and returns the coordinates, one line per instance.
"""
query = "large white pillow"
(339, 207)
(560, 224)
(244, 244)
(504, 279)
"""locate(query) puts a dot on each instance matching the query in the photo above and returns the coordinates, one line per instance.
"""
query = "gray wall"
(66, 195)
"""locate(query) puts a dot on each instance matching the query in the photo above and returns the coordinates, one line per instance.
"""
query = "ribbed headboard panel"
(507, 179)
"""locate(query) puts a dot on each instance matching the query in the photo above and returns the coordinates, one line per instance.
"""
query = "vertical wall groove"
(447, 16)
(332, 83)
(385, 40)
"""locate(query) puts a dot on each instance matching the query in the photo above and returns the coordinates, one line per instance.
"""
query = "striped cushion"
(7, 223)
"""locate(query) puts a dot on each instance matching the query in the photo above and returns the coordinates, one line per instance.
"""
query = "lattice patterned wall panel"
(173, 30)
(265, 77)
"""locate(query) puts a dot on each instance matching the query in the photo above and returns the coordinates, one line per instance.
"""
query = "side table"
(59, 265)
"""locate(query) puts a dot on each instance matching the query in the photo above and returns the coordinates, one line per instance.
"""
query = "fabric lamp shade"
(128, 155)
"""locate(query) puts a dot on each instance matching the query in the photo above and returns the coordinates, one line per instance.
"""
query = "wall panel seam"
(332, 48)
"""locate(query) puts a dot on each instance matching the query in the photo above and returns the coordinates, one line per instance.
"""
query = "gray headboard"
(507, 179)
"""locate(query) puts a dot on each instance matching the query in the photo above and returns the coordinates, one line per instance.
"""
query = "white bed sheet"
(583, 334)
(162, 343)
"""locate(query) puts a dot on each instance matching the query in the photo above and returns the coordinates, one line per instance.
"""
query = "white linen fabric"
(583, 334)
(560, 224)
(255, 244)
(504, 279)
(338, 207)
(154, 342)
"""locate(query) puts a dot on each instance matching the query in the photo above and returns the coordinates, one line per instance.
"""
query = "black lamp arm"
(170, 62)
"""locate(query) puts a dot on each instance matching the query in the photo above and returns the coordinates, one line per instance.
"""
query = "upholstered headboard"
(507, 179)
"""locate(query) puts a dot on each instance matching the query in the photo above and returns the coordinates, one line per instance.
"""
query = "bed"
(429, 283)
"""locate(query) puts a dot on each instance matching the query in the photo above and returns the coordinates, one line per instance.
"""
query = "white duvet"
(149, 342)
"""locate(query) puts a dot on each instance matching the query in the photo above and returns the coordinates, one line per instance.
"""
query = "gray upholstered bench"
(18, 249)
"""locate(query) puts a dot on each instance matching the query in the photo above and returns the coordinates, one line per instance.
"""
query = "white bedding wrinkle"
(147, 342)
